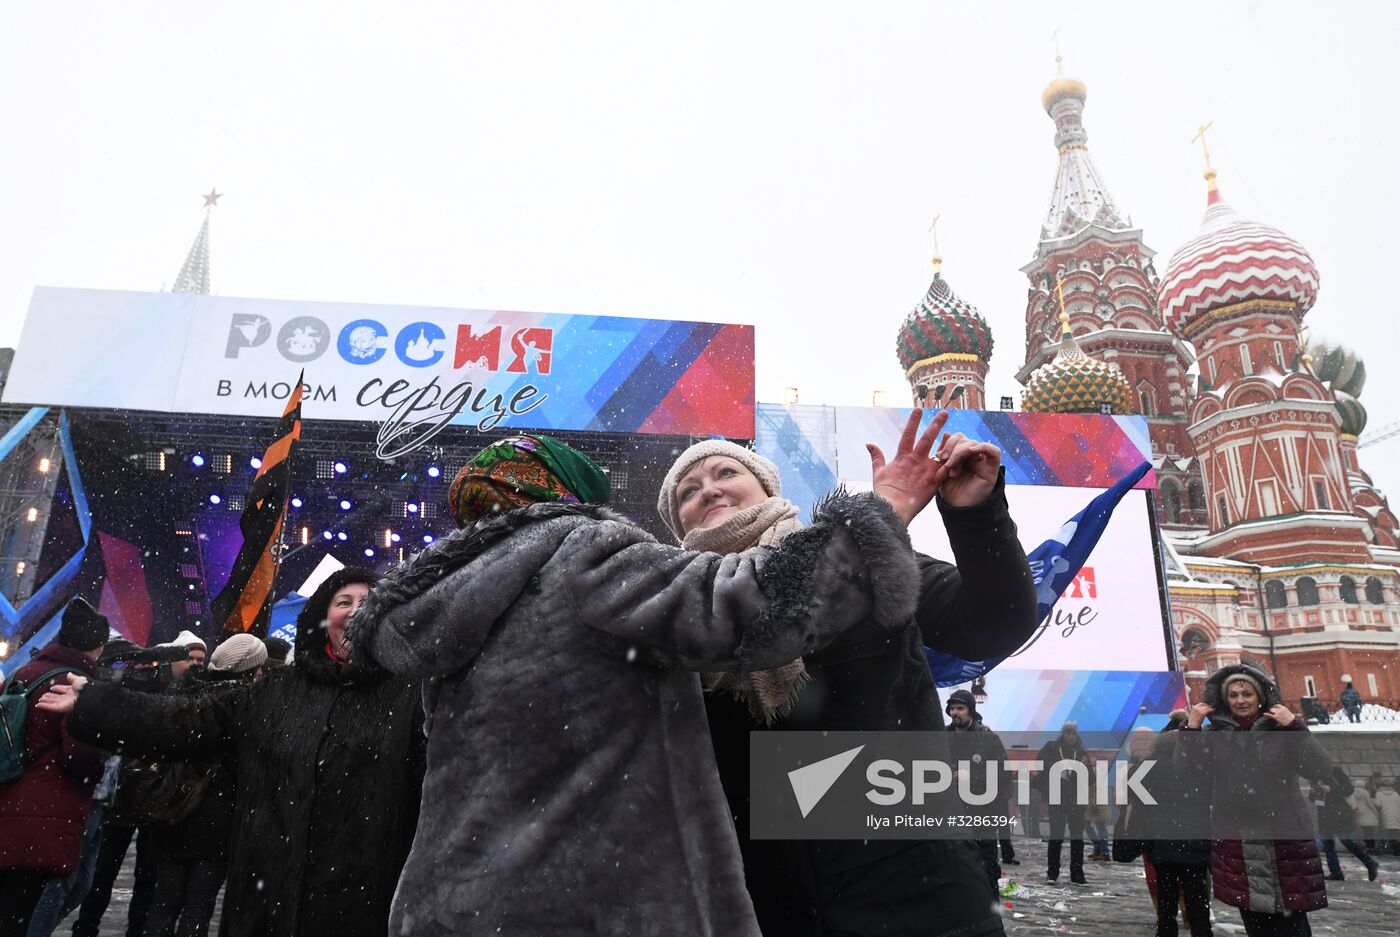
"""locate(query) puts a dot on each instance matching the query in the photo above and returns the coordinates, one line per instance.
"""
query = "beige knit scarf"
(771, 693)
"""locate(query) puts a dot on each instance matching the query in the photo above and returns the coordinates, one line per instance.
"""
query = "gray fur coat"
(571, 788)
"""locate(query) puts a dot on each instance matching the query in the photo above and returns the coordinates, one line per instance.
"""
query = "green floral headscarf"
(521, 470)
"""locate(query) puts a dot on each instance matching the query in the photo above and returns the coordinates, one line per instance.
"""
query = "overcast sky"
(768, 163)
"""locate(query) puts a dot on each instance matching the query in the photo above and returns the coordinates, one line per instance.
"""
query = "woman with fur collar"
(720, 496)
(1264, 857)
(328, 755)
(570, 787)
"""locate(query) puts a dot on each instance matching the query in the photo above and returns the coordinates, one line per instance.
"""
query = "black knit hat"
(82, 628)
(964, 697)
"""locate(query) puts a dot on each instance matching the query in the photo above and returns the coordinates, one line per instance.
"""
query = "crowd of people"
(540, 724)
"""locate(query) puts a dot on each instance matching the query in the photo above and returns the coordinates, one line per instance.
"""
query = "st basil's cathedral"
(1280, 550)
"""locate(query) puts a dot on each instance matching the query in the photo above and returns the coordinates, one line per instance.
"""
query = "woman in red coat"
(1263, 859)
(42, 813)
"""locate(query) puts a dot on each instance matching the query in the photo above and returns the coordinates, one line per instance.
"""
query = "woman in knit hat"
(1264, 857)
(723, 497)
(328, 756)
(571, 788)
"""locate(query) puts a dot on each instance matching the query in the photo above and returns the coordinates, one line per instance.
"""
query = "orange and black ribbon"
(245, 602)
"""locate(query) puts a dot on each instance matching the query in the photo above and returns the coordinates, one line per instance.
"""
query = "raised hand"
(969, 470)
(1281, 714)
(911, 479)
(62, 694)
(1198, 715)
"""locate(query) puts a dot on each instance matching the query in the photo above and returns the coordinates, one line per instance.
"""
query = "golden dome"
(1063, 88)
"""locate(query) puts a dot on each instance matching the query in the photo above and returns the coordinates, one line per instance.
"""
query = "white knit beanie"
(239, 654)
(764, 470)
(186, 639)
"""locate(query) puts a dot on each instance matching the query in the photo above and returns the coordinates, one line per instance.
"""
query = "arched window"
(1374, 593)
(1347, 587)
(1224, 511)
(1145, 402)
(1170, 494)
(1196, 495)
(1275, 594)
(1193, 643)
(1307, 591)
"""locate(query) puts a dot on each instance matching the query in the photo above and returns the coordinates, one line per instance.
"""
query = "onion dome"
(942, 324)
(1075, 383)
(1232, 260)
(1351, 411)
(1338, 368)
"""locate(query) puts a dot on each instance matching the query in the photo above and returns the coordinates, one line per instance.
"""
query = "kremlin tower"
(1089, 252)
(944, 347)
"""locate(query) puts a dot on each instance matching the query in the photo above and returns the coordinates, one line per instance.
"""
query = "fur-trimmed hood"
(1214, 695)
(311, 659)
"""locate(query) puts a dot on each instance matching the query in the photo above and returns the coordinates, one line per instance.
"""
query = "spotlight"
(340, 468)
(394, 538)
(427, 538)
(345, 504)
(44, 465)
(215, 499)
(388, 537)
(197, 460)
(296, 502)
(411, 507)
(255, 462)
(327, 535)
(434, 471)
(341, 535)
(369, 551)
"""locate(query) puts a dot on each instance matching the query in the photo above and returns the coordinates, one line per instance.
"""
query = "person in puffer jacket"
(1273, 879)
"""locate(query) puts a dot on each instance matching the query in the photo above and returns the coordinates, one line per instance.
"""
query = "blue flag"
(1054, 564)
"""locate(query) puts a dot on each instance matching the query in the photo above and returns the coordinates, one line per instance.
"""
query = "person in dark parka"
(329, 760)
(1264, 858)
(979, 745)
(193, 853)
(979, 607)
(1176, 829)
(1336, 820)
(42, 813)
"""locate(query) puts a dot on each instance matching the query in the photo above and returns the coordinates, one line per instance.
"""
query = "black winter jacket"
(982, 607)
(330, 765)
(205, 833)
(1178, 825)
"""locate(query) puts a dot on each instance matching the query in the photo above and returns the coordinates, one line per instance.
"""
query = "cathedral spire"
(194, 274)
(1080, 197)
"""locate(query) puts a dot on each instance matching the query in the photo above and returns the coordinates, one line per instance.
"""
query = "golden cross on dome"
(1205, 150)
(1055, 40)
(937, 256)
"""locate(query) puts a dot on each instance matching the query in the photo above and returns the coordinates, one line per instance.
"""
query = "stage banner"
(416, 370)
(1108, 626)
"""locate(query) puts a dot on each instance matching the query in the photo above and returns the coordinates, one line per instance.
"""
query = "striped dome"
(942, 324)
(1230, 261)
(1075, 383)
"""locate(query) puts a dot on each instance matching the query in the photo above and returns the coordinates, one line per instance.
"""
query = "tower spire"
(1205, 151)
(937, 255)
(194, 273)
(1080, 197)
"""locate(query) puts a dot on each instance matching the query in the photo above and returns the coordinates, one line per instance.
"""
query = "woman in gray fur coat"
(570, 786)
